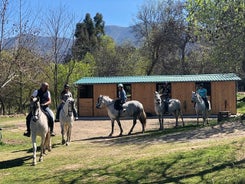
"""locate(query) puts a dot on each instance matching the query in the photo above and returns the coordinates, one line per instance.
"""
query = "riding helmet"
(120, 85)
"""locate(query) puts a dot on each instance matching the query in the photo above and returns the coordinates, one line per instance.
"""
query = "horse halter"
(70, 105)
(34, 109)
(99, 102)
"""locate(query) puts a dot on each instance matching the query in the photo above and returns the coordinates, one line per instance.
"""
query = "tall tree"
(88, 35)
(162, 27)
(221, 25)
(59, 27)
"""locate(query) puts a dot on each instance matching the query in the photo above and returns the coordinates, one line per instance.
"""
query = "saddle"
(50, 119)
(118, 105)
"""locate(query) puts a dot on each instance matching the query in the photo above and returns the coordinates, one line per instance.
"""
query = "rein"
(69, 109)
(34, 114)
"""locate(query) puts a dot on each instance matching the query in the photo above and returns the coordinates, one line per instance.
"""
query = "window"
(206, 85)
(86, 91)
(161, 87)
(127, 88)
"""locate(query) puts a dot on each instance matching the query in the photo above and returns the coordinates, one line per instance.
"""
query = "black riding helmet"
(66, 86)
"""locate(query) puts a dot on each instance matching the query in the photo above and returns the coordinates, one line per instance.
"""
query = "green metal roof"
(159, 78)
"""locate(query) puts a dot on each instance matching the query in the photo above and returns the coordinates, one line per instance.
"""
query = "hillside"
(43, 45)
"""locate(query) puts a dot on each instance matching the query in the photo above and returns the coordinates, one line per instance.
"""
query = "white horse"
(200, 107)
(39, 127)
(131, 108)
(66, 120)
(174, 108)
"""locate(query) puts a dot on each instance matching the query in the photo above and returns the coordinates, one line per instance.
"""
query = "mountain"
(121, 34)
(43, 45)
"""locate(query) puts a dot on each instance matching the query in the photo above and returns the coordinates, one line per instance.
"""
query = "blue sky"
(115, 12)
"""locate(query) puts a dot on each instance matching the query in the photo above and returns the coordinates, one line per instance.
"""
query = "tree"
(221, 26)
(88, 35)
(162, 28)
(58, 24)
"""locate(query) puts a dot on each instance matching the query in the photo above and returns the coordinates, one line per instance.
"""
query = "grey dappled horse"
(200, 107)
(174, 108)
(131, 108)
(39, 127)
(66, 120)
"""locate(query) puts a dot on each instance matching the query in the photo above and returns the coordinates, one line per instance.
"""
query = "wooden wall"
(144, 93)
(182, 91)
(85, 106)
(103, 89)
(223, 97)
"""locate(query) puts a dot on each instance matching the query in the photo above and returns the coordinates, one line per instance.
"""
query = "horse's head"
(157, 98)
(194, 97)
(70, 103)
(100, 102)
(34, 106)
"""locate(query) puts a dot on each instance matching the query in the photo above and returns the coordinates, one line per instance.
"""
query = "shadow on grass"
(155, 170)
(180, 134)
(14, 162)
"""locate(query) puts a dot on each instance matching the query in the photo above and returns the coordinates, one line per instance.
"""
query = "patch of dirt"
(98, 130)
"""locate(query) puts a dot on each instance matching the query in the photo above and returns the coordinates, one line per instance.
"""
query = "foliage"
(162, 27)
(220, 24)
(88, 35)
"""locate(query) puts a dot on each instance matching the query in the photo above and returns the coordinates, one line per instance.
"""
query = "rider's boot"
(28, 130)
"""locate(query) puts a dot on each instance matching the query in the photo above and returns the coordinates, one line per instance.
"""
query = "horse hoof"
(63, 141)
(34, 163)
(67, 144)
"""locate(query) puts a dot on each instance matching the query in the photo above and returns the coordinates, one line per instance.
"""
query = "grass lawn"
(182, 155)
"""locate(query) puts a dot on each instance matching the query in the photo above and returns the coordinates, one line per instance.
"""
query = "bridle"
(34, 109)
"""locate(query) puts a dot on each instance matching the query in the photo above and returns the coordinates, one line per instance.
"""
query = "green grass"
(140, 158)
(128, 159)
(240, 105)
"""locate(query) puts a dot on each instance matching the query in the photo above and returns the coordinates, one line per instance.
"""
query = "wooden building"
(221, 89)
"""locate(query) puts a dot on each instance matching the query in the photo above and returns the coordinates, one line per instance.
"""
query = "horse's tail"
(142, 118)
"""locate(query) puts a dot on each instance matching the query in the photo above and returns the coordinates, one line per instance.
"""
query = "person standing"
(45, 100)
(65, 94)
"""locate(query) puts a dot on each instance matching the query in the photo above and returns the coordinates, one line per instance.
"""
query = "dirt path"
(100, 129)
(95, 129)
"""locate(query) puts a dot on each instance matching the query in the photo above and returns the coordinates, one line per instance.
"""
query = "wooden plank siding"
(85, 107)
(103, 89)
(144, 93)
(223, 97)
(182, 91)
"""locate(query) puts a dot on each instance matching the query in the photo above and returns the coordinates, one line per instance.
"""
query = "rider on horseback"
(165, 96)
(65, 94)
(122, 98)
(203, 93)
(45, 100)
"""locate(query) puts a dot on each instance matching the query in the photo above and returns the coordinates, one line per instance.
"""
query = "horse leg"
(176, 115)
(112, 128)
(63, 133)
(197, 118)
(48, 141)
(181, 116)
(160, 122)
(42, 148)
(134, 123)
(34, 147)
(68, 135)
(120, 126)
